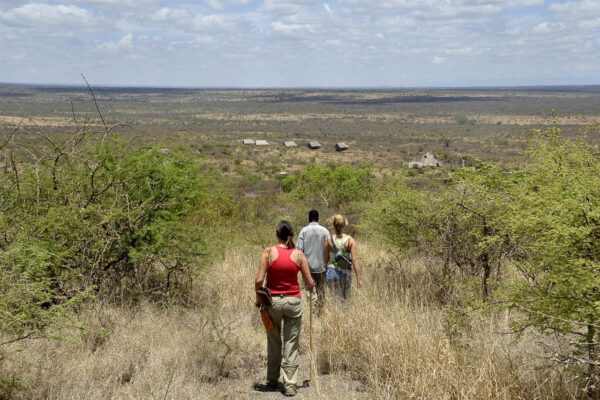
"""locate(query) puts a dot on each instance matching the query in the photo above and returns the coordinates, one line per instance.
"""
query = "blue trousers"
(339, 282)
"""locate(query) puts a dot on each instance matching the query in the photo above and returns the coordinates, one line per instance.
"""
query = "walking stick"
(306, 382)
(311, 342)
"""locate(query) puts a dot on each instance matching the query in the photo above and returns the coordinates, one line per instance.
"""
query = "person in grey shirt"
(310, 242)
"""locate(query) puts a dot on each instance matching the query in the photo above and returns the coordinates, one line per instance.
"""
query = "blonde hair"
(339, 222)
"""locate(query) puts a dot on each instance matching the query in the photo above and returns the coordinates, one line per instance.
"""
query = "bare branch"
(17, 339)
(96, 104)
(567, 357)
(570, 321)
(11, 135)
(95, 101)
(74, 117)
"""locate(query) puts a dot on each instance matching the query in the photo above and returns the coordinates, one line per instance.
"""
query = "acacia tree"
(91, 215)
(554, 222)
(331, 185)
(543, 219)
(456, 225)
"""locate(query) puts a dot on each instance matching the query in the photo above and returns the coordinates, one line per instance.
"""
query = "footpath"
(330, 387)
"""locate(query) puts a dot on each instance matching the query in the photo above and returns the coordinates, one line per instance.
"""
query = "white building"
(428, 160)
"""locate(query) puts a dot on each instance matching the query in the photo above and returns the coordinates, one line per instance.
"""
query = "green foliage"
(545, 219)
(99, 219)
(453, 225)
(554, 221)
(330, 185)
(400, 216)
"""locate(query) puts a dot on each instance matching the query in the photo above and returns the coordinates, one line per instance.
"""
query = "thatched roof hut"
(248, 141)
(262, 143)
(314, 145)
(341, 146)
(428, 160)
(289, 143)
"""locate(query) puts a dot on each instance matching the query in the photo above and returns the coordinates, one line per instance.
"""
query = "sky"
(301, 43)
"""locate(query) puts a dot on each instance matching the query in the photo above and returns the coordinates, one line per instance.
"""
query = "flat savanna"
(177, 320)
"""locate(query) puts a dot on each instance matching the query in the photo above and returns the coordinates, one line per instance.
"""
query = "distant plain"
(384, 127)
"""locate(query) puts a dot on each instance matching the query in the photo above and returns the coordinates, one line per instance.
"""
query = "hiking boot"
(273, 385)
(290, 391)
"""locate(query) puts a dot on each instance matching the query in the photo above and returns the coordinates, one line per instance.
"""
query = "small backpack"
(342, 260)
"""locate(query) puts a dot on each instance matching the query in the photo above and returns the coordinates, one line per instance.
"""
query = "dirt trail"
(322, 386)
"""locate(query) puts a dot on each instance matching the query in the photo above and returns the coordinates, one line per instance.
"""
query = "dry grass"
(394, 337)
(391, 341)
(150, 352)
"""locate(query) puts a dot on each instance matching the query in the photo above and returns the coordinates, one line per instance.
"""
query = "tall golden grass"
(392, 340)
(395, 337)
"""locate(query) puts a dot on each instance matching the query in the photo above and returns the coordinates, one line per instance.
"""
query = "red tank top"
(283, 274)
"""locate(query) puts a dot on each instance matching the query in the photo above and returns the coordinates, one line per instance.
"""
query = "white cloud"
(289, 7)
(577, 9)
(282, 27)
(211, 23)
(547, 27)
(436, 9)
(581, 14)
(215, 4)
(140, 4)
(45, 14)
(224, 4)
(126, 42)
(229, 3)
(506, 3)
(463, 51)
(167, 14)
(296, 42)
(589, 24)
(334, 42)
(204, 39)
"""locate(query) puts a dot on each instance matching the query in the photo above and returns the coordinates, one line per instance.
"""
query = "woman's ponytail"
(290, 242)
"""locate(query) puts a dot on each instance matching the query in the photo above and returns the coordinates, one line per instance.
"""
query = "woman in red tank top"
(281, 271)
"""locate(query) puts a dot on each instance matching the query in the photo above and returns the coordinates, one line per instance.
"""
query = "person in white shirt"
(310, 241)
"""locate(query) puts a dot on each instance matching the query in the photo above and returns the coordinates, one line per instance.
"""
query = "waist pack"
(342, 260)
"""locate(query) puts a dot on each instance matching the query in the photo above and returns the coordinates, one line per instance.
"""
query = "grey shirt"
(310, 241)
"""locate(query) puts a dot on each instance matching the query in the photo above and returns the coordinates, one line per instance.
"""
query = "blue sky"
(301, 43)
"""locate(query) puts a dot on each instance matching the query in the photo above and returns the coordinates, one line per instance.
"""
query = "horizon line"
(382, 87)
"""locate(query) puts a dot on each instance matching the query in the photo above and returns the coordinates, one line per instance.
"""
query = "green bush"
(543, 220)
(441, 225)
(103, 219)
(554, 221)
(330, 185)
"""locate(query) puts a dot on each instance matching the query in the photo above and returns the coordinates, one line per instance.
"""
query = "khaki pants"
(283, 355)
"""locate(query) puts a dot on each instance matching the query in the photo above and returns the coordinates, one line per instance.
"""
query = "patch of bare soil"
(321, 387)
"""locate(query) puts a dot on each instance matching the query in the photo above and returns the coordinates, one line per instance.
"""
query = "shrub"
(554, 221)
(453, 226)
(330, 185)
(99, 218)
